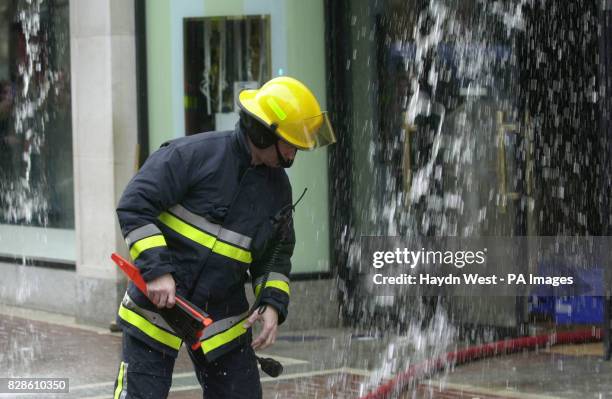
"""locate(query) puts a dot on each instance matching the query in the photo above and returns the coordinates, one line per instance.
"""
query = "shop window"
(222, 56)
(36, 167)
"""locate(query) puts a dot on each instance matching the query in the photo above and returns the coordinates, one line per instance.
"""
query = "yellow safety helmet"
(290, 110)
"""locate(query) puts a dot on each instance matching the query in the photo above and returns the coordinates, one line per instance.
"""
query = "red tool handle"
(134, 274)
(206, 321)
(131, 271)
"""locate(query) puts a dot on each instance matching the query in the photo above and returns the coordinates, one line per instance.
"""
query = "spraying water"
(472, 137)
(23, 199)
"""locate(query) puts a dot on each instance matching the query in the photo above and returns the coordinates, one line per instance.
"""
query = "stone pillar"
(104, 145)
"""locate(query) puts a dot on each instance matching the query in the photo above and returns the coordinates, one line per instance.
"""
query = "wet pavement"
(334, 363)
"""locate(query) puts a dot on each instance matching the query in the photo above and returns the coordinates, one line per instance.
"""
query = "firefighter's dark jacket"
(198, 209)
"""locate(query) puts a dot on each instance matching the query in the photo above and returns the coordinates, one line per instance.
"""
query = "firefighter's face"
(268, 156)
(287, 152)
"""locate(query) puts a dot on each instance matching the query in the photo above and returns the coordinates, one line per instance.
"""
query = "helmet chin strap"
(284, 163)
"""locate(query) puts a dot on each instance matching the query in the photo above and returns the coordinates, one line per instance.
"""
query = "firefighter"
(198, 216)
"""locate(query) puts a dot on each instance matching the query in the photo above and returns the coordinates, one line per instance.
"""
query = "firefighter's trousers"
(146, 373)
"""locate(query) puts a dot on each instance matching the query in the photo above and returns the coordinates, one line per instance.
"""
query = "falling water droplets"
(23, 199)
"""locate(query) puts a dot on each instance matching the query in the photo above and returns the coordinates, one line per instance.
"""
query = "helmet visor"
(308, 134)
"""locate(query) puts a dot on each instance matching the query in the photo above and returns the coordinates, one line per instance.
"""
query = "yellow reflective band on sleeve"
(279, 284)
(146, 243)
(120, 377)
(224, 337)
(149, 328)
(205, 239)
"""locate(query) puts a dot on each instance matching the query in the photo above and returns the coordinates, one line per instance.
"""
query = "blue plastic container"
(544, 305)
(579, 310)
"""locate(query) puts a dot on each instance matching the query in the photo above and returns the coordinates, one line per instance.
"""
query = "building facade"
(130, 75)
(452, 120)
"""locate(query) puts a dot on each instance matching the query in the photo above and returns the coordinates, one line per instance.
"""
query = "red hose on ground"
(421, 370)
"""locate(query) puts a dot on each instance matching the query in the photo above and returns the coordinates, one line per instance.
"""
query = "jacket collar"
(241, 146)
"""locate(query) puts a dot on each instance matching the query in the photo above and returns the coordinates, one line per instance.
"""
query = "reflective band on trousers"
(120, 391)
(146, 243)
(151, 316)
(276, 280)
(205, 239)
(231, 329)
(149, 328)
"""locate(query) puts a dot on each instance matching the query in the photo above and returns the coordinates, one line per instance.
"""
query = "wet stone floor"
(318, 364)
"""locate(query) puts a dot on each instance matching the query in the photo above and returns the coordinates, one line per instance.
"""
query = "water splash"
(415, 346)
(24, 198)
(446, 186)
(20, 349)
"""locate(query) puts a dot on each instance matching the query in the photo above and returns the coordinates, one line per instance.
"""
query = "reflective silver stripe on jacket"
(229, 236)
(234, 238)
(272, 277)
(142, 232)
(222, 325)
(195, 220)
(152, 317)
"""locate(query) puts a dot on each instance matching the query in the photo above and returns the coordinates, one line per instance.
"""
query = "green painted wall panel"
(306, 61)
(225, 7)
(159, 71)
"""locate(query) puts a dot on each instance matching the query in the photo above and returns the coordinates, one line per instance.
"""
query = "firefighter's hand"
(161, 291)
(267, 337)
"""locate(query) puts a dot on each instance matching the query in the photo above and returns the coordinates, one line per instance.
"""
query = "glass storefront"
(36, 171)
(222, 56)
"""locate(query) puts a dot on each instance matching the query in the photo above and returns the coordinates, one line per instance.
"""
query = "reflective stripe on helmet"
(277, 109)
